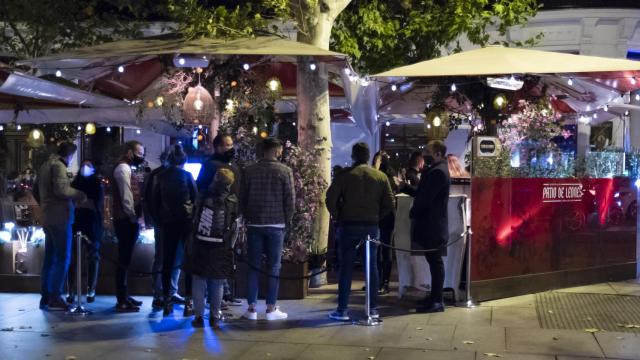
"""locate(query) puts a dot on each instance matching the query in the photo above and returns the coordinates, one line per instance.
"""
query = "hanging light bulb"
(159, 100)
(181, 61)
(120, 69)
(36, 134)
(313, 67)
(454, 88)
(437, 121)
(394, 87)
(198, 104)
(246, 66)
(90, 128)
(633, 80)
(274, 84)
(255, 130)
(58, 73)
(200, 127)
(499, 102)
(570, 82)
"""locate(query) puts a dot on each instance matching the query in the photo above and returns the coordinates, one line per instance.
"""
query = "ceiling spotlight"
(394, 87)
(121, 68)
(246, 66)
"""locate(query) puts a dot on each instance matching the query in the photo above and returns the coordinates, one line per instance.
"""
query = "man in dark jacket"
(358, 199)
(151, 208)
(429, 221)
(57, 199)
(267, 202)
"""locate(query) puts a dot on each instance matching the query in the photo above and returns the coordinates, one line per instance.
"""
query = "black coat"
(174, 195)
(429, 220)
(208, 259)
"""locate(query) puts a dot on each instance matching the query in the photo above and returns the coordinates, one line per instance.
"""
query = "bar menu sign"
(562, 192)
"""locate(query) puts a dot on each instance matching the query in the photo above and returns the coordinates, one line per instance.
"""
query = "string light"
(313, 66)
(1, 127)
(595, 115)
(120, 69)
(394, 87)
(583, 119)
(138, 131)
(181, 61)
(246, 66)
(387, 123)
(19, 127)
(347, 71)
(626, 113)
(108, 129)
(199, 126)
(633, 80)
(606, 108)
(637, 97)
(454, 88)
(570, 81)
(159, 100)
(79, 128)
(58, 73)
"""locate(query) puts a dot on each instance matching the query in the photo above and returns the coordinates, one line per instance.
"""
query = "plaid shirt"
(267, 193)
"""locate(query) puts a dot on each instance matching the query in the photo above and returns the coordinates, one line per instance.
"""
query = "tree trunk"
(312, 92)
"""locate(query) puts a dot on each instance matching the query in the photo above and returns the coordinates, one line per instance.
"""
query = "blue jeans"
(156, 268)
(57, 255)
(267, 240)
(213, 292)
(349, 236)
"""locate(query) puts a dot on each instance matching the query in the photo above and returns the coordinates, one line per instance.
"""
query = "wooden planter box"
(288, 289)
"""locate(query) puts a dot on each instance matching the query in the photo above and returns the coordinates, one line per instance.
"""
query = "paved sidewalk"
(506, 328)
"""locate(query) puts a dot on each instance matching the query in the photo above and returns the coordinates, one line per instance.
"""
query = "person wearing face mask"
(223, 155)
(88, 220)
(175, 196)
(127, 212)
(57, 199)
(429, 220)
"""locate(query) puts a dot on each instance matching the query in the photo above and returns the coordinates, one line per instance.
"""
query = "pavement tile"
(334, 352)
(356, 335)
(553, 342)
(422, 354)
(603, 288)
(483, 339)
(619, 345)
(528, 300)
(273, 351)
(478, 316)
(512, 316)
(431, 337)
(513, 356)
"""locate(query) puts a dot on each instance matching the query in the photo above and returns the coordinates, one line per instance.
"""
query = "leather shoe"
(134, 301)
(433, 308)
(177, 299)
(58, 304)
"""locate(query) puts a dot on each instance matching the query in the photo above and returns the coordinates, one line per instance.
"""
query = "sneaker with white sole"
(250, 315)
(339, 315)
(276, 314)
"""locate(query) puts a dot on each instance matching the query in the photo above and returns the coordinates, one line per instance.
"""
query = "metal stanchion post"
(469, 303)
(369, 321)
(79, 310)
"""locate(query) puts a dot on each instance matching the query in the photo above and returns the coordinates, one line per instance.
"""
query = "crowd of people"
(196, 223)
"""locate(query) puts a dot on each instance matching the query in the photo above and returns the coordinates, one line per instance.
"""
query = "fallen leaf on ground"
(428, 339)
(7, 329)
(619, 337)
(492, 355)
(556, 338)
(468, 342)
(70, 357)
(550, 311)
(418, 328)
(371, 357)
(588, 319)
(44, 335)
(592, 330)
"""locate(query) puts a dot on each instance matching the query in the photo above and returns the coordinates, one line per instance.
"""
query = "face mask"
(137, 160)
(429, 160)
(87, 171)
(228, 155)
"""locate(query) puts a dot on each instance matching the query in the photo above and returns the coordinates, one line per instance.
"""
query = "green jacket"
(360, 195)
(56, 194)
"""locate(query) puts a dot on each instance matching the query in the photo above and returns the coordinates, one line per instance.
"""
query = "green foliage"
(381, 34)
(195, 20)
(39, 27)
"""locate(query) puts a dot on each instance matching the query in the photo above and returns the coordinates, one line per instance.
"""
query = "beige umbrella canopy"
(494, 60)
(261, 45)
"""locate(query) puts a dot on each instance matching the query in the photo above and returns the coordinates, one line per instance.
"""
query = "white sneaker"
(276, 314)
(251, 315)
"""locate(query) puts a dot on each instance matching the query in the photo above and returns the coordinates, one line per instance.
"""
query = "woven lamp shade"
(198, 107)
(436, 125)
